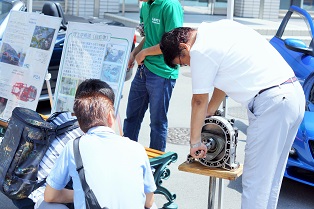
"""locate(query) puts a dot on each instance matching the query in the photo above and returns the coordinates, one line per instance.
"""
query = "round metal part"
(219, 136)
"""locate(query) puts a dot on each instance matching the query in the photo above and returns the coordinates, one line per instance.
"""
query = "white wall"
(86, 7)
(252, 8)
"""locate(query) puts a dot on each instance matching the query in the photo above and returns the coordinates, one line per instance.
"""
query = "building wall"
(271, 9)
(109, 6)
(264, 9)
(246, 8)
(86, 7)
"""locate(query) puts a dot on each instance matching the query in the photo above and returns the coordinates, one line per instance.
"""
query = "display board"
(92, 51)
(25, 52)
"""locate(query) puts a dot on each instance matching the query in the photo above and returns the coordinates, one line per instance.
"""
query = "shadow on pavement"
(293, 195)
(241, 126)
(236, 185)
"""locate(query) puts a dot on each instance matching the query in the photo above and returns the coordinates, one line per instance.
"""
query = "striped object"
(53, 152)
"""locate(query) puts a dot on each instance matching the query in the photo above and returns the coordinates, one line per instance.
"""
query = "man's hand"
(58, 196)
(131, 61)
(149, 200)
(199, 152)
(140, 57)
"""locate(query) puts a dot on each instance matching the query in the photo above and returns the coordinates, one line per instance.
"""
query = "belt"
(290, 80)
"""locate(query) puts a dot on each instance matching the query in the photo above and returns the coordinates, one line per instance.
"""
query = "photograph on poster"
(65, 103)
(110, 73)
(11, 55)
(114, 53)
(42, 37)
(24, 92)
(3, 104)
(68, 86)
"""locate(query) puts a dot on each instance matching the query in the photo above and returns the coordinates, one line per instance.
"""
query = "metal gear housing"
(221, 137)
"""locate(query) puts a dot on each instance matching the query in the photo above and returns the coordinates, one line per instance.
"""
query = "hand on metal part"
(140, 57)
(198, 152)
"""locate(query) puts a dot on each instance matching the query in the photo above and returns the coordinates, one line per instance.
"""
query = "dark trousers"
(24, 203)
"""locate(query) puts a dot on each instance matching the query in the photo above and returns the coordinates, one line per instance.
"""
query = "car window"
(304, 31)
(5, 8)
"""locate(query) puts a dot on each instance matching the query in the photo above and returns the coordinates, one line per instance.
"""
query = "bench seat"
(159, 162)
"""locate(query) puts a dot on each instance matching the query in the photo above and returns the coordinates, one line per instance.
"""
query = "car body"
(16, 5)
(299, 54)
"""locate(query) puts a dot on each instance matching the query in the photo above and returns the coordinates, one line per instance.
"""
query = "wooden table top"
(198, 168)
(3, 124)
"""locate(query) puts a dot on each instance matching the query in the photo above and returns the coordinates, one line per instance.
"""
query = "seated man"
(116, 169)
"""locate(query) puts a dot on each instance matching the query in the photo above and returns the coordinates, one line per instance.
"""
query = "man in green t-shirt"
(154, 80)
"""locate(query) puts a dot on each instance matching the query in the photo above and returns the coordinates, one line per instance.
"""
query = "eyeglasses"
(181, 54)
(180, 63)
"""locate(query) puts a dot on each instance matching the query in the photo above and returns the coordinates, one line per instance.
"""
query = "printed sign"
(25, 52)
(92, 51)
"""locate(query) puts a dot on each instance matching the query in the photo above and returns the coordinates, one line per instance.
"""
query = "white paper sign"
(92, 51)
(25, 52)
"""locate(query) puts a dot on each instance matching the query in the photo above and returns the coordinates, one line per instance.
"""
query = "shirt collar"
(100, 129)
(157, 2)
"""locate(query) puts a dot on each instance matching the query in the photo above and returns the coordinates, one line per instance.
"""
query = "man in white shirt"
(116, 168)
(240, 63)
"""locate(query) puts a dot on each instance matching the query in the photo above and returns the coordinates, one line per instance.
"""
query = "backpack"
(25, 142)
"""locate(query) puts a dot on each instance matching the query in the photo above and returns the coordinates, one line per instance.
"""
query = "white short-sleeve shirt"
(236, 59)
(116, 168)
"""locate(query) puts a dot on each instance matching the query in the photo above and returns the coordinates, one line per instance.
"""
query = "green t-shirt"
(159, 17)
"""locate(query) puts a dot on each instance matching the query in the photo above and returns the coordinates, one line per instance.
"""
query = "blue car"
(53, 9)
(299, 54)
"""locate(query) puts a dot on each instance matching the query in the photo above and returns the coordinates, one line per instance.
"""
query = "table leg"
(211, 192)
(220, 193)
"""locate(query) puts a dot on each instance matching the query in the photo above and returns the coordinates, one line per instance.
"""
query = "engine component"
(221, 137)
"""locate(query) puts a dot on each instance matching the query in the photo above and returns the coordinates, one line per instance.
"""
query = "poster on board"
(25, 52)
(96, 51)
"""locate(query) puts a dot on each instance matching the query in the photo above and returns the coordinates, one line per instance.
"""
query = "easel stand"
(47, 79)
(213, 174)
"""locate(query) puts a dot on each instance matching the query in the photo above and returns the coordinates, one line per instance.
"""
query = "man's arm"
(149, 200)
(199, 105)
(135, 52)
(153, 50)
(200, 109)
(58, 196)
(214, 103)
